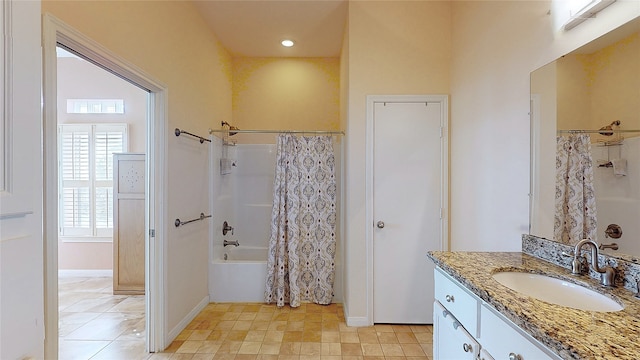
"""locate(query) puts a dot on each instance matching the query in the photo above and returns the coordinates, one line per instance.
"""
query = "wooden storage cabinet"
(128, 223)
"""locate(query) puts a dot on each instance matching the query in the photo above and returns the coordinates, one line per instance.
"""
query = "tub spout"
(232, 242)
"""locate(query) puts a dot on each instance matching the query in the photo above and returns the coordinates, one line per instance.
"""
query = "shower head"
(231, 128)
(607, 130)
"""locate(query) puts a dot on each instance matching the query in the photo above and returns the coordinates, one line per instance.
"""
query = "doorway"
(406, 178)
(101, 263)
(58, 34)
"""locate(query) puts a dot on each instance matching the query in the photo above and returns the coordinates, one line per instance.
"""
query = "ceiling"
(254, 28)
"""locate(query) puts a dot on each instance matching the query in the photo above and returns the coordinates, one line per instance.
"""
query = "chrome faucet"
(232, 242)
(608, 275)
(226, 228)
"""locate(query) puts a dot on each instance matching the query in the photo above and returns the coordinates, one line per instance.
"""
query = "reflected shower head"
(608, 129)
(231, 128)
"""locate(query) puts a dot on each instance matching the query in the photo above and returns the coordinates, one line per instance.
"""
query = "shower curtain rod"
(595, 131)
(239, 131)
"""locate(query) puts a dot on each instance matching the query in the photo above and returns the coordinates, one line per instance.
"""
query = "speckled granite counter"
(570, 333)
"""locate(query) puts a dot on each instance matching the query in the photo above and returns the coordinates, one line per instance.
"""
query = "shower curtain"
(302, 247)
(575, 214)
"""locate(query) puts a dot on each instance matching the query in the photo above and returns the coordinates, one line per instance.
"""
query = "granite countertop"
(570, 333)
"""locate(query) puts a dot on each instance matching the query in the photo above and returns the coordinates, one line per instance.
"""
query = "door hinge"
(152, 232)
(441, 213)
(441, 132)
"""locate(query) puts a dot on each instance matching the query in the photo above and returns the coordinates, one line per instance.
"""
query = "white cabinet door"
(450, 339)
(457, 300)
(484, 355)
(493, 332)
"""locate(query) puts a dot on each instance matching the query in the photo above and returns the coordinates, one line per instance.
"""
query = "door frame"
(54, 32)
(443, 100)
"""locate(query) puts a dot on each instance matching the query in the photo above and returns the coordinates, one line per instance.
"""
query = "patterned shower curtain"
(575, 215)
(302, 248)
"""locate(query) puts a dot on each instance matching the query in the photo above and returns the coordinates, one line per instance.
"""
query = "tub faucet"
(226, 228)
(607, 277)
(232, 242)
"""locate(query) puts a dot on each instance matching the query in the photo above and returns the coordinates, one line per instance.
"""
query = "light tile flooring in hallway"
(96, 325)
(257, 331)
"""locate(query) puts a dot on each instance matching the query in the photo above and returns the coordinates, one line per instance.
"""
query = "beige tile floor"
(96, 325)
(258, 331)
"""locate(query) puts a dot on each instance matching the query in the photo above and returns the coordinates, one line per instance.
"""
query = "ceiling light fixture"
(287, 43)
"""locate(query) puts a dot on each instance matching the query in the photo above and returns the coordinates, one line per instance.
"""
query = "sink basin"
(557, 291)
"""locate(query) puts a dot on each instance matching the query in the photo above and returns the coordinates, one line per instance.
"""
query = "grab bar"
(202, 217)
(202, 140)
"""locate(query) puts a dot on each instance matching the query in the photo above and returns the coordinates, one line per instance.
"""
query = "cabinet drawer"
(493, 332)
(450, 340)
(457, 300)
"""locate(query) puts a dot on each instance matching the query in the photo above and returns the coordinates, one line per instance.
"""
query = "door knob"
(380, 224)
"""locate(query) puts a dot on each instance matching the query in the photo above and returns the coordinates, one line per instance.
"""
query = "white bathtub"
(240, 278)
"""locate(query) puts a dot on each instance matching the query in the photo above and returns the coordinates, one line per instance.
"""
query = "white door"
(407, 202)
(21, 249)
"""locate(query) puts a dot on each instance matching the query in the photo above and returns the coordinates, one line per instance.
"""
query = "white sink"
(557, 291)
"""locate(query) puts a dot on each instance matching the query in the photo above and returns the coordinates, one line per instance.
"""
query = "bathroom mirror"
(587, 89)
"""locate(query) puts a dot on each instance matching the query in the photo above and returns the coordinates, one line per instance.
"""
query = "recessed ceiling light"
(287, 43)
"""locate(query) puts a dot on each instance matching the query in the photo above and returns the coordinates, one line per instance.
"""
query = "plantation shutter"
(86, 177)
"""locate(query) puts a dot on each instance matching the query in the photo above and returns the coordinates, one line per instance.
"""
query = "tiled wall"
(618, 197)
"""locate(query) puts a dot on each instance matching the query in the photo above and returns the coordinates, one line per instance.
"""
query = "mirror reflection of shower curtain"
(575, 214)
(302, 247)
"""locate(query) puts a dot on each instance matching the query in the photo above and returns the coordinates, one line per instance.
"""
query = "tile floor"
(258, 331)
(96, 325)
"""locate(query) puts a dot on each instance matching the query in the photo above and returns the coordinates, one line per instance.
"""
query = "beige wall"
(286, 93)
(615, 88)
(78, 79)
(597, 88)
(172, 43)
(395, 47)
(574, 94)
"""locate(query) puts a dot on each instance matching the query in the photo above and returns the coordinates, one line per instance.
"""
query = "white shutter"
(86, 177)
(75, 181)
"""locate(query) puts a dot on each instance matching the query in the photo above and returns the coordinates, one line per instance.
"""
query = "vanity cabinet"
(451, 341)
(462, 321)
(494, 330)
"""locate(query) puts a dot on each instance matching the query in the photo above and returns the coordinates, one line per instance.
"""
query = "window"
(85, 158)
(95, 106)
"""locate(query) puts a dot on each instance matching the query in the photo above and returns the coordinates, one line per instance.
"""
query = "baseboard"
(186, 320)
(355, 321)
(85, 273)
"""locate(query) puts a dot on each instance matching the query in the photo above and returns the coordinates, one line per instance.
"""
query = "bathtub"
(239, 278)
